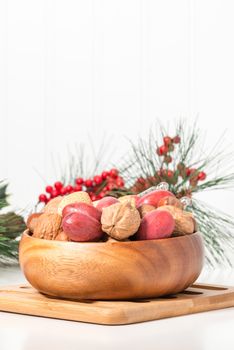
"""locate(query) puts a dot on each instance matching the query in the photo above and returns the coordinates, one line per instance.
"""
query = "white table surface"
(212, 330)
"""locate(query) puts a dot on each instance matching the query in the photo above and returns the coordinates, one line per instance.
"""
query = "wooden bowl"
(112, 270)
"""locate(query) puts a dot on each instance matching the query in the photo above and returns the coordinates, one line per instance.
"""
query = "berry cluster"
(167, 147)
(193, 174)
(170, 176)
(97, 187)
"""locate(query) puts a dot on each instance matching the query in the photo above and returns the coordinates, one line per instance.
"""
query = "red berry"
(79, 181)
(201, 176)
(141, 180)
(58, 185)
(101, 194)
(114, 173)
(63, 191)
(109, 186)
(54, 193)
(69, 188)
(120, 182)
(170, 173)
(105, 174)
(97, 179)
(93, 197)
(49, 189)
(88, 183)
(176, 139)
(190, 171)
(43, 198)
(167, 140)
(162, 150)
(77, 188)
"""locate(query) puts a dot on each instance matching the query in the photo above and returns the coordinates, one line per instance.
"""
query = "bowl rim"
(93, 244)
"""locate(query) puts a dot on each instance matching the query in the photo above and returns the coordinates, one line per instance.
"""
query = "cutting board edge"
(110, 316)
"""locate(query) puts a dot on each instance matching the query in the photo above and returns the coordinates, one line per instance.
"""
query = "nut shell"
(129, 198)
(120, 220)
(62, 236)
(47, 226)
(145, 209)
(169, 200)
(32, 221)
(184, 221)
(75, 197)
(52, 206)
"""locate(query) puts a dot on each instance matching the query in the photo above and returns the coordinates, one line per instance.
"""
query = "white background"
(75, 69)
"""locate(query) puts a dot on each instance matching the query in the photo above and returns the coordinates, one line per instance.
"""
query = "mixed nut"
(157, 214)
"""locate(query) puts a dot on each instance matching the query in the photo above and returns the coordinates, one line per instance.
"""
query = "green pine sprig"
(11, 226)
(142, 162)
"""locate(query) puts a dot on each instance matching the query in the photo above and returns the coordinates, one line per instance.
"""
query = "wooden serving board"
(23, 299)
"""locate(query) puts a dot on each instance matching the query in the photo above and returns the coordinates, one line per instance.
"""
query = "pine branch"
(142, 164)
(11, 226)
(218, 232)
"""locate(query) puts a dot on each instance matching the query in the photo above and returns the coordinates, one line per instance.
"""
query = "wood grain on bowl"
(111, 270)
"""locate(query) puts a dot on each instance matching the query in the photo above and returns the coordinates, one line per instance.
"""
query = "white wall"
(73, 68)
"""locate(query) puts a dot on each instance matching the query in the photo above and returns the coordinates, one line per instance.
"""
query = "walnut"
(32, 221)
(184, 221)
(112, 240)
(120, 220)
(47, 226)
(145, 208)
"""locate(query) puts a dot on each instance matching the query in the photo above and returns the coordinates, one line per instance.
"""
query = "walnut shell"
(111, 240)
(32, 220)
(145, 208)
(184, 221)
(52, 206)
(47, 226)
(120, 220)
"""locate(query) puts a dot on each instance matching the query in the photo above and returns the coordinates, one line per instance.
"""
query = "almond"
(129, 198)
(52, 206)
(75, 197)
